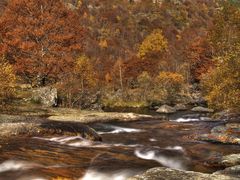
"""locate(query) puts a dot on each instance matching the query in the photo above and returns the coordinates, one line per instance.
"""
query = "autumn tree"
(169, 85)
(153, 45)
(222, 83)
(77, 84)
(84, 71)
(41, 38)
(7, 79)
(225, 34)
(118, 72)
(144, 80)
(199, 55)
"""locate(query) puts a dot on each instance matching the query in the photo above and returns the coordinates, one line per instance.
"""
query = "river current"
(128, 148)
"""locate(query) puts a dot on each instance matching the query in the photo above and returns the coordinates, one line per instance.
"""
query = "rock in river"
(231, 160)
(202, 109)
(9, 130)
(233, 171)
(166, 109)
(163, 173)
(226, 134)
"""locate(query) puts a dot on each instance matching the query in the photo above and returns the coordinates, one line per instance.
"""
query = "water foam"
(118, 129)
(152, 140)
(164, 160)
(178, 148)
(186, 120)
(13, 165)
(78, 141)
(95, 175)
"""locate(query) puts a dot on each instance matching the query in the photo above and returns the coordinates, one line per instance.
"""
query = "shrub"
(144, 81)
(7, 80)
(168, 85)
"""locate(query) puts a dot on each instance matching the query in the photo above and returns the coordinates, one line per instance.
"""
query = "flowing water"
(128, 148)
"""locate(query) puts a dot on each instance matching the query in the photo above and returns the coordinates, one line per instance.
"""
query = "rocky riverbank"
(163, 173)
(228, 133)
(12, 126)
(60, 121)
(231, 172)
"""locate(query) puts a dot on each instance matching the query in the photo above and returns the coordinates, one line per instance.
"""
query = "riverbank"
(142, 141)
(38, 121)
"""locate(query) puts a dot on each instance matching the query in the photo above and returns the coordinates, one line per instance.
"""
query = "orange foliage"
(42, 38)
(200, 57)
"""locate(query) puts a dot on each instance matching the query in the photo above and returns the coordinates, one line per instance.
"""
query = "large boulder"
(233, 171)
(47, 128)
(166, 109)
(46, 96)
(202, 109)
(230, 160)
(163, 173)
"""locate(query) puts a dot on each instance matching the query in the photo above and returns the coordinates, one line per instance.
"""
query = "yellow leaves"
(169, 84)
(144, 79)
(7, 79)
(155, 43)
(222, 84)
(84, 71)
(103, 43)
(170, 77)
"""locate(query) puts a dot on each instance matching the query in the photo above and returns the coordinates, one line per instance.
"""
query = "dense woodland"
(124, 51)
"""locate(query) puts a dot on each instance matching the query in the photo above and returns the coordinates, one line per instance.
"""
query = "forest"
(134, 52)
(71, 67)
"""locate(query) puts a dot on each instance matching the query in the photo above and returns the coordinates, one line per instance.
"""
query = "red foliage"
(42, 38)
(135, 66)
(200, 57)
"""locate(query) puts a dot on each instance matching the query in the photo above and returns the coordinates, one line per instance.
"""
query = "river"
(128, 148)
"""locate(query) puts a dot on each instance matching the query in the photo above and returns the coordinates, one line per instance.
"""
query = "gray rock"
(202, 109)
(163, 173)
(226, 134)
(180, 107)
(10, 130)
(219, 129)
(234, 172)
(46, 96)
(231, 160)
(166, 109)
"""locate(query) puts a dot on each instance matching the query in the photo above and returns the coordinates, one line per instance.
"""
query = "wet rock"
(9, 130)
(180, 107)
(226, 134)
(166, 109)
(163, 173)
(202, 109)
(46, 96)
(219, 129)
(89, 117)
(193, 116)
(230, 160)
(220, 138)
(234, 172)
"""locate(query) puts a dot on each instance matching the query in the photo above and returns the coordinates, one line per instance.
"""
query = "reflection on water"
(127, 148)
